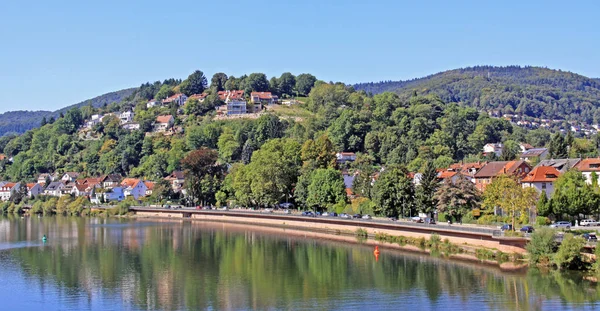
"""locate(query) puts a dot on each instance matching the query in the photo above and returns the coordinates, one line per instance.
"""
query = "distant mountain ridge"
(531, 91)
(21, 121)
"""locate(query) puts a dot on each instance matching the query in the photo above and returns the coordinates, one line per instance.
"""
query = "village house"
(133, 187)
(343, 157)
(198, 97)
(524, 147)
(54, 189)
(152, 103)
(34, 189)
(534, 153)
(587, 167)
(43, 177)
(163, 123)
(178, 98)
(95, 119)
(494, 169)
(81, 190)
(126, 117)
(110, 180)
(8, 190)
(493, 148)
(149, 187)
(69, 177)
(131, 126)
(562, 165)
(467, 169)
(452, 176)
(177, 180)
(542, 179)
(234, 102)
(107, 195)
(264, 98)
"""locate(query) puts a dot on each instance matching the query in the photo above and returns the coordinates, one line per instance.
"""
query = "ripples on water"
(110, 264)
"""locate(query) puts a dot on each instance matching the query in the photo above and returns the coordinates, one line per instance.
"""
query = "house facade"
(264, 98)
(494, 169)
(126, 117)
(493, 148)
(178, 98)
(110, 180)
(133, 187)
(54, 189)
(108, 195)
(542, 179)
(69, 177)
(530, 155)
(163, 123)
(8, 190)
(177, 180)
(343, 157)
(588, 167)
(34, 189)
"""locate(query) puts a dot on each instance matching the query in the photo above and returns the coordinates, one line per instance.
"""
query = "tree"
(568, 255)
(318, 154)
(203, 174)
(305, 83)
(544, 207)
(286, 84)
(558, 148)
(164, 92)
(256, 82)
(573, 196)
(326, 189)
(457, 199)
(217, 83)
(393, 193)
(426, 189)
(541, 246)
(506, 193)
(194, 84)
(510, 151)
(228, 146)
(268, 127)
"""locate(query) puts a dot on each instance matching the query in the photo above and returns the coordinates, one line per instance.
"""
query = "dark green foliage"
(305, 83)
(194, 84)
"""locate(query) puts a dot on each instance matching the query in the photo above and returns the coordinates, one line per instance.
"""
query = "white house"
(345, 157)
(163, 123)
(81, 190)
(54, 188)
(265, 98)
(131, 126)
(177, 180)
(152, 103)
(179, 98)
(69, 177)
(110, 180)
(34, 189)
(542, 179)
(8, 189)
(149, 187)
(95, 119)
(493, 148)
(112, 194)
(588, 167)
(134, 187)
(126, 117)
(530, 154)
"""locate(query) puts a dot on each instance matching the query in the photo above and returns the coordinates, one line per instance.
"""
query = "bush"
(468, 218)
(541, 246)
(361, 233)
(435, 241)
(542, 221)
(492, 220)
(442, 217)
(569, 252)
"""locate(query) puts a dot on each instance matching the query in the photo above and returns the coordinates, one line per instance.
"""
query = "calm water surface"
(110, 264)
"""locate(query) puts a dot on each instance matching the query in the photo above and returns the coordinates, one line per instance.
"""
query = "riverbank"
(435, 241)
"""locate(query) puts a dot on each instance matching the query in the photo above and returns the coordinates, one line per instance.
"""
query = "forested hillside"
(17, 122)
(529, 91)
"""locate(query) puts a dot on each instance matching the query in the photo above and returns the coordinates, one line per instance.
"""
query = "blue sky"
(57, 53)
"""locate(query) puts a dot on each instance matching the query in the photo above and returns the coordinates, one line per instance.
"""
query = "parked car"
(588, 222)
(506, 227)
(287, 211)
(326, 214)
(416, 219)
(561, 224)
(357, 216)
(308, 213)
(430, 221)
(527, 229)
(168, 206)
(590, 237)
(286, 205)
(393, 219)
(333, 214)
(268, 210)
(367, 217)
(345, 216)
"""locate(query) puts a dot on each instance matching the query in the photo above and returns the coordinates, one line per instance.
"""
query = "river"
(127, 264)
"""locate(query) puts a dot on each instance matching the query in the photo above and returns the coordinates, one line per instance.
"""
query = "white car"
(561, 224)
(588, 222)
(325, 214)
(367, 217)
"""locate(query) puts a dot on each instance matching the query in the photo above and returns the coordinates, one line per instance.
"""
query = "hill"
(530, 91)
(22, 121)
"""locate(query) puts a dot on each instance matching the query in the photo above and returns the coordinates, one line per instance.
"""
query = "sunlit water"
(110, 264)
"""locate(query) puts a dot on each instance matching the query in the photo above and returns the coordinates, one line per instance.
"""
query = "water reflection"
(99, 263)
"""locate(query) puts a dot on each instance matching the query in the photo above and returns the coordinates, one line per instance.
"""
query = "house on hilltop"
(178, 98)
(163, 123)
(110, 180)
(493, 148)
(264, 98)
(69, 177)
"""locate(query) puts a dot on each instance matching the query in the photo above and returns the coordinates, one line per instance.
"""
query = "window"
(543, 186)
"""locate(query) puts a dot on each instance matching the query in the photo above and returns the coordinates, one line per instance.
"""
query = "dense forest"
(528, 91)
(16, 122)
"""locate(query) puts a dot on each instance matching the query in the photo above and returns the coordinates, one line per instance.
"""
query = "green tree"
(558, 148)
(194, 84)
(544, 207)
(218, 81)
(305, 83)
(506, 193)
(393, 193)
(541, 246)
(256, 82)
(568, 255)
(228, 146)
(510, 151)
(318, 154)
(573, 196)
(164, 92)
(326, 189)
(457, 199)
(203, 175)
(426, 189)
(286, 84)
(268, 127)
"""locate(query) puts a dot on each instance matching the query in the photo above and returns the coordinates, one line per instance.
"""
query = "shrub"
(542, 221)
(442, 217)
(541, 246)
(569, 252)
(37, 208)
(468, 218)
(435, 241)
(361, 233)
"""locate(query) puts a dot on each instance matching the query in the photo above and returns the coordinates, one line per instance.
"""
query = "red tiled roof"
(172, 98)
(2, 157)
(149, 185)
(588, 165)
(493, 169)
(163, 119)
(233, 94)
(130, 182)
(349, 192)
(31, 185)
(542, 174)
(81, 187)
(262, 95)
(9, 185)
(446, 174)
(198, 96)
